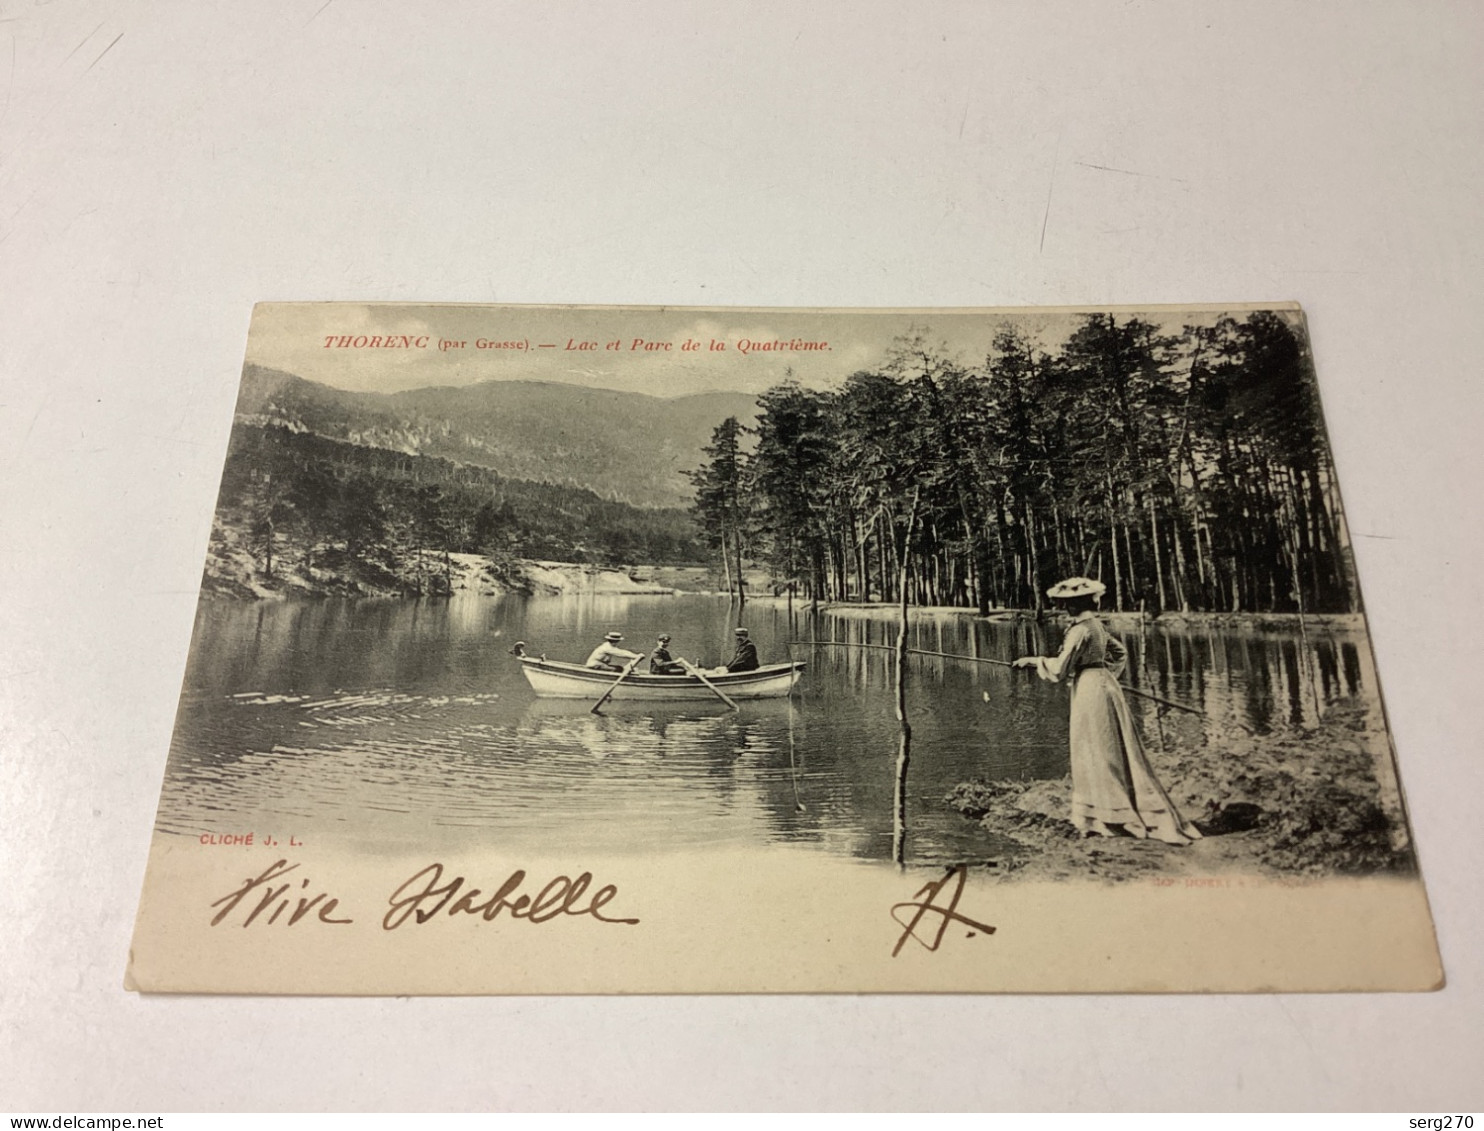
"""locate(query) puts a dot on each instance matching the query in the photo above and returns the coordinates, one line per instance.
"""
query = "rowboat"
(552, 679)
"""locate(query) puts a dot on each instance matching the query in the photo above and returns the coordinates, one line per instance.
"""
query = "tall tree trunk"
(737, 548)
(1159, 569)
(1035, 560)
(1113, 543)
(1197, 507)
(979, 577)
(1001, 588)
(1061, 539)
(1131, 574)
(1179, 572)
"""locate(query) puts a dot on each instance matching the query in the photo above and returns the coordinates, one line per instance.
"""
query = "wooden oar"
(612, 687)
(691, 669)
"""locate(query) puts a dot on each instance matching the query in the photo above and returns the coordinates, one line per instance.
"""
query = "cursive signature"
(425, 894)
(924, 904)
(268, 891)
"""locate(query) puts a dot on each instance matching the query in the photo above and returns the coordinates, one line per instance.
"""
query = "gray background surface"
(164, 165)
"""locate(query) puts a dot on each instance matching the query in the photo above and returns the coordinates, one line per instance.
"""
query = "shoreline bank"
(234, 572)
(874, 609)
(1309, 802)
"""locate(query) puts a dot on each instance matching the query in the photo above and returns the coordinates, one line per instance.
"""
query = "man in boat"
(746, 658)
(609, 657)
(660, 660)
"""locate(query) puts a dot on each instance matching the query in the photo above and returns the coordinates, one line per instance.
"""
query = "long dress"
(1112, 781)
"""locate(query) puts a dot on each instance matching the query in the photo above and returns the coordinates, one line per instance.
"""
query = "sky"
(633, 349)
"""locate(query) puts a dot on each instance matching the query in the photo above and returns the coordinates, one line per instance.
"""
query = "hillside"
(628, 447)
(302, 513)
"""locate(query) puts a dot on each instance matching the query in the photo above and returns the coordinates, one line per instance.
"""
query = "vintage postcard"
(658, 650)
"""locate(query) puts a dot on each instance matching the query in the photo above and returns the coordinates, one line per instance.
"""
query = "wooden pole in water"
(1159, 721)
(904, 745)
(793, 768)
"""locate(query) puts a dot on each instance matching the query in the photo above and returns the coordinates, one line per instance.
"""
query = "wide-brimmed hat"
(739, 632)
(1076, 587)
(613, 637)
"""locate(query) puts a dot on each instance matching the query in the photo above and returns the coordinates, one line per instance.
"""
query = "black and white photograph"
(978, 597)
(861, 557)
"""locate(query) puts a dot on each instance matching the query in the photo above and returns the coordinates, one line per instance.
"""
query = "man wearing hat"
(609, 657)
(746, 658)
(660, 660)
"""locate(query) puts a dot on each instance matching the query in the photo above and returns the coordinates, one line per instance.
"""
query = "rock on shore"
(552, 578)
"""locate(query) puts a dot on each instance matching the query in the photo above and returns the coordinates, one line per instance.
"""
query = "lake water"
(382, 725)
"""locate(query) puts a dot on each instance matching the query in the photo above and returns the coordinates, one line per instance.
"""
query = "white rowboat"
(552, 679)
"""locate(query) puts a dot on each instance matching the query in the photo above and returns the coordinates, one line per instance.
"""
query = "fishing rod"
(997, 663)
(893, 648)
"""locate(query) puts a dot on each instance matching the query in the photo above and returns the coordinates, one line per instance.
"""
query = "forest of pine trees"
(1189, 471)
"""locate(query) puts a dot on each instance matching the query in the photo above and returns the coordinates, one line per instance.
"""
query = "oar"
(612, 687)
(718, 692)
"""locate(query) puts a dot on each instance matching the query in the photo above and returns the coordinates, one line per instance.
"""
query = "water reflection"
(384, 724)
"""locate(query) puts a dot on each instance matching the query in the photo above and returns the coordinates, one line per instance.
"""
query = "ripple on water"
(408, 723)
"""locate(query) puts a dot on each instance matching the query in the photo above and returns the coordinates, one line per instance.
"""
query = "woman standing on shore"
(1113, 785)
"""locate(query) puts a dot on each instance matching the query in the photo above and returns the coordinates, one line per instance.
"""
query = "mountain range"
(630, 447)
